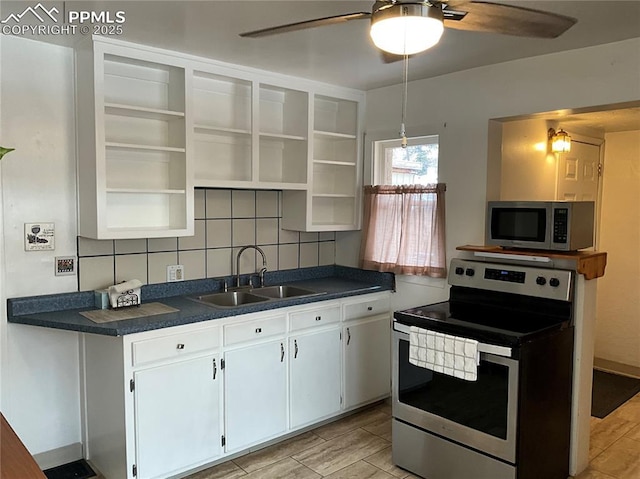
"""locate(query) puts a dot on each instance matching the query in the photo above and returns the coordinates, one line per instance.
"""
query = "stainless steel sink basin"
(231, 299)
(281, 292)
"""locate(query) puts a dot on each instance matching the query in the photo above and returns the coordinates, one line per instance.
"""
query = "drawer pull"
(258, 330)
(318, 318)
(369, 308)
(180, 346)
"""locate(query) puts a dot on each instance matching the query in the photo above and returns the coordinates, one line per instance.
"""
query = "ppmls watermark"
(39, 20)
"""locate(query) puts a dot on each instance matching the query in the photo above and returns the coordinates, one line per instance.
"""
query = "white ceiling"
(339, 54)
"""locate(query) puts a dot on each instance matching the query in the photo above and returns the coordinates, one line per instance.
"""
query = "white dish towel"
(443, 353)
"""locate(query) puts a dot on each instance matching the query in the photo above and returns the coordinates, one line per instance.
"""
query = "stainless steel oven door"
(479, 414)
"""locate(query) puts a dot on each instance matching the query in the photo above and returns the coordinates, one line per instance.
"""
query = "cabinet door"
(177, 409)
(314, 364)
(255, 394)
(367, 361)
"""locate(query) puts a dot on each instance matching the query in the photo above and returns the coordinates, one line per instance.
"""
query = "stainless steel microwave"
(546, 225)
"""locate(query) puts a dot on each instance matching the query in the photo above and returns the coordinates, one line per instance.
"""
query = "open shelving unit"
(136, 179)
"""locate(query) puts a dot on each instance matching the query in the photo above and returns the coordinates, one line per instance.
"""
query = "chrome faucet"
(263, 270)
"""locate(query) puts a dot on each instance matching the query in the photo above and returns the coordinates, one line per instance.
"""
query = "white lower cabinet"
(367, 360)
(315, 366)
(255, 393)
(162, 403)
(177, 423)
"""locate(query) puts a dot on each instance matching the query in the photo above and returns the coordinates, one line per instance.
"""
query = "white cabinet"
(177, 423)
(314, 385)
(255, 394)
(135, 177)
(367, 351)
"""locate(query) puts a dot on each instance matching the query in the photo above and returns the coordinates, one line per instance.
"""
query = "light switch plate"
(175, 272)
(65, 265)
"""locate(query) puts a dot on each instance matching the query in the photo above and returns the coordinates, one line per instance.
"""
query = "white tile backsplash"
(131, 266)
(211, 251)
(158, 263)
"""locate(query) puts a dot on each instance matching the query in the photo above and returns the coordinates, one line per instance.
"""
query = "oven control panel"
(507, 278)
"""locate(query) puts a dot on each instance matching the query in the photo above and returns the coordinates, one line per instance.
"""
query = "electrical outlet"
(65, 265)
(175, 272)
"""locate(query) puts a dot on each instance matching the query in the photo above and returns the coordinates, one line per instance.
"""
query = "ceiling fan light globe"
(405, 28)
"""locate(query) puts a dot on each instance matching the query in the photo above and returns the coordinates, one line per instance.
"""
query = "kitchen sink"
(280, 292)
(231, 298)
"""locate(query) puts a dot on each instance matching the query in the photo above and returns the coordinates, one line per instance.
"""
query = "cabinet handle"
(348, 336)
(258, 330)
(281, 352)
(318, 318)
(180, 346)
(215, 369)
(295, 344)
(369, 308)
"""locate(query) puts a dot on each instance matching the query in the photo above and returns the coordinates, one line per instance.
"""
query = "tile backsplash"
(225, 220)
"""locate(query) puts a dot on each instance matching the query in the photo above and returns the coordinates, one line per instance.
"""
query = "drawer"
(175, 345)
(364, 309)
(314, 317)
(254, 329)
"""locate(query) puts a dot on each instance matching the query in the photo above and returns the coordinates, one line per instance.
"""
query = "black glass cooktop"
(495, 325)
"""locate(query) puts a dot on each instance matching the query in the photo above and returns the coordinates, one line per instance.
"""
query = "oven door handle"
(494, 349)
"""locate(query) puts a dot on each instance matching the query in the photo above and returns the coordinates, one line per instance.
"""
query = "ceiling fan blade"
(507, 19)
(318, 22)
(387, 57)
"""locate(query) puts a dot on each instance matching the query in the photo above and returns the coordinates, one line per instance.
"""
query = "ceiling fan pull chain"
(405, 80)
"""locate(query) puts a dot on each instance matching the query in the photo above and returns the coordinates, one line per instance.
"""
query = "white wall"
(528, 171)
(618, 309)
(458, 108)
(40, 378)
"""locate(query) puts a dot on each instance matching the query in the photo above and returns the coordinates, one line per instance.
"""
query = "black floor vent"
(74, 470)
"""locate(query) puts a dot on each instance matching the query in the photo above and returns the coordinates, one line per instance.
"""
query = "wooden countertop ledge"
(15, 460)
(591, 264)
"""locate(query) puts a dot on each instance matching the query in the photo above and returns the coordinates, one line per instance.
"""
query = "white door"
(314, 362)
(255, 392)
(177, 412)
(367, 358)
(578, 173)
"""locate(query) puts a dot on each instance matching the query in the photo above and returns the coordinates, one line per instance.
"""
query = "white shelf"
(141, 112)
(131, 146)
(280, 136)
(335, 135)
(219, 129)
(143, 191)
(332, 195)
(334, 163)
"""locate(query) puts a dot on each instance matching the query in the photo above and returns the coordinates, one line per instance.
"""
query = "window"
(403, 228)
(417, 164)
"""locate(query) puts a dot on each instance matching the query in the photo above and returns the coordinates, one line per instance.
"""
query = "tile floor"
(359, 447)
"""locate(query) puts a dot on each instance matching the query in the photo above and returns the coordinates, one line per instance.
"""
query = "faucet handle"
(225, 285)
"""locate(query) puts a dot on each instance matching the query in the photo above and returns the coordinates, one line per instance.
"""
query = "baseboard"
(59, 456)
(617, 368)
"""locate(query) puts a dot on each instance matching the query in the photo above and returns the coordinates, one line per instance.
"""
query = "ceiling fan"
(406, 27)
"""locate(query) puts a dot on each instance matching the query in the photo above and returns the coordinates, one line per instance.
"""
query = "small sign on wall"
(39, 236)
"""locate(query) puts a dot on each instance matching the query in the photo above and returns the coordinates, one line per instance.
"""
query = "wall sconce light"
(559, 141)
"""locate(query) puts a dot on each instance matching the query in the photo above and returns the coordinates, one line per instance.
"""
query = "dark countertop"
(62, 311)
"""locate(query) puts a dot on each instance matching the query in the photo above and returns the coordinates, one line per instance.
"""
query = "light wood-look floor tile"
(590, 473)
(621, 460)
(380, 428)
(629, 411)
(341, 451)
(360, 470)
(634, 434)
(609, 430)
(382, 460)
(226, 470)
(272, 454)
(350, 423)
(287, 468)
